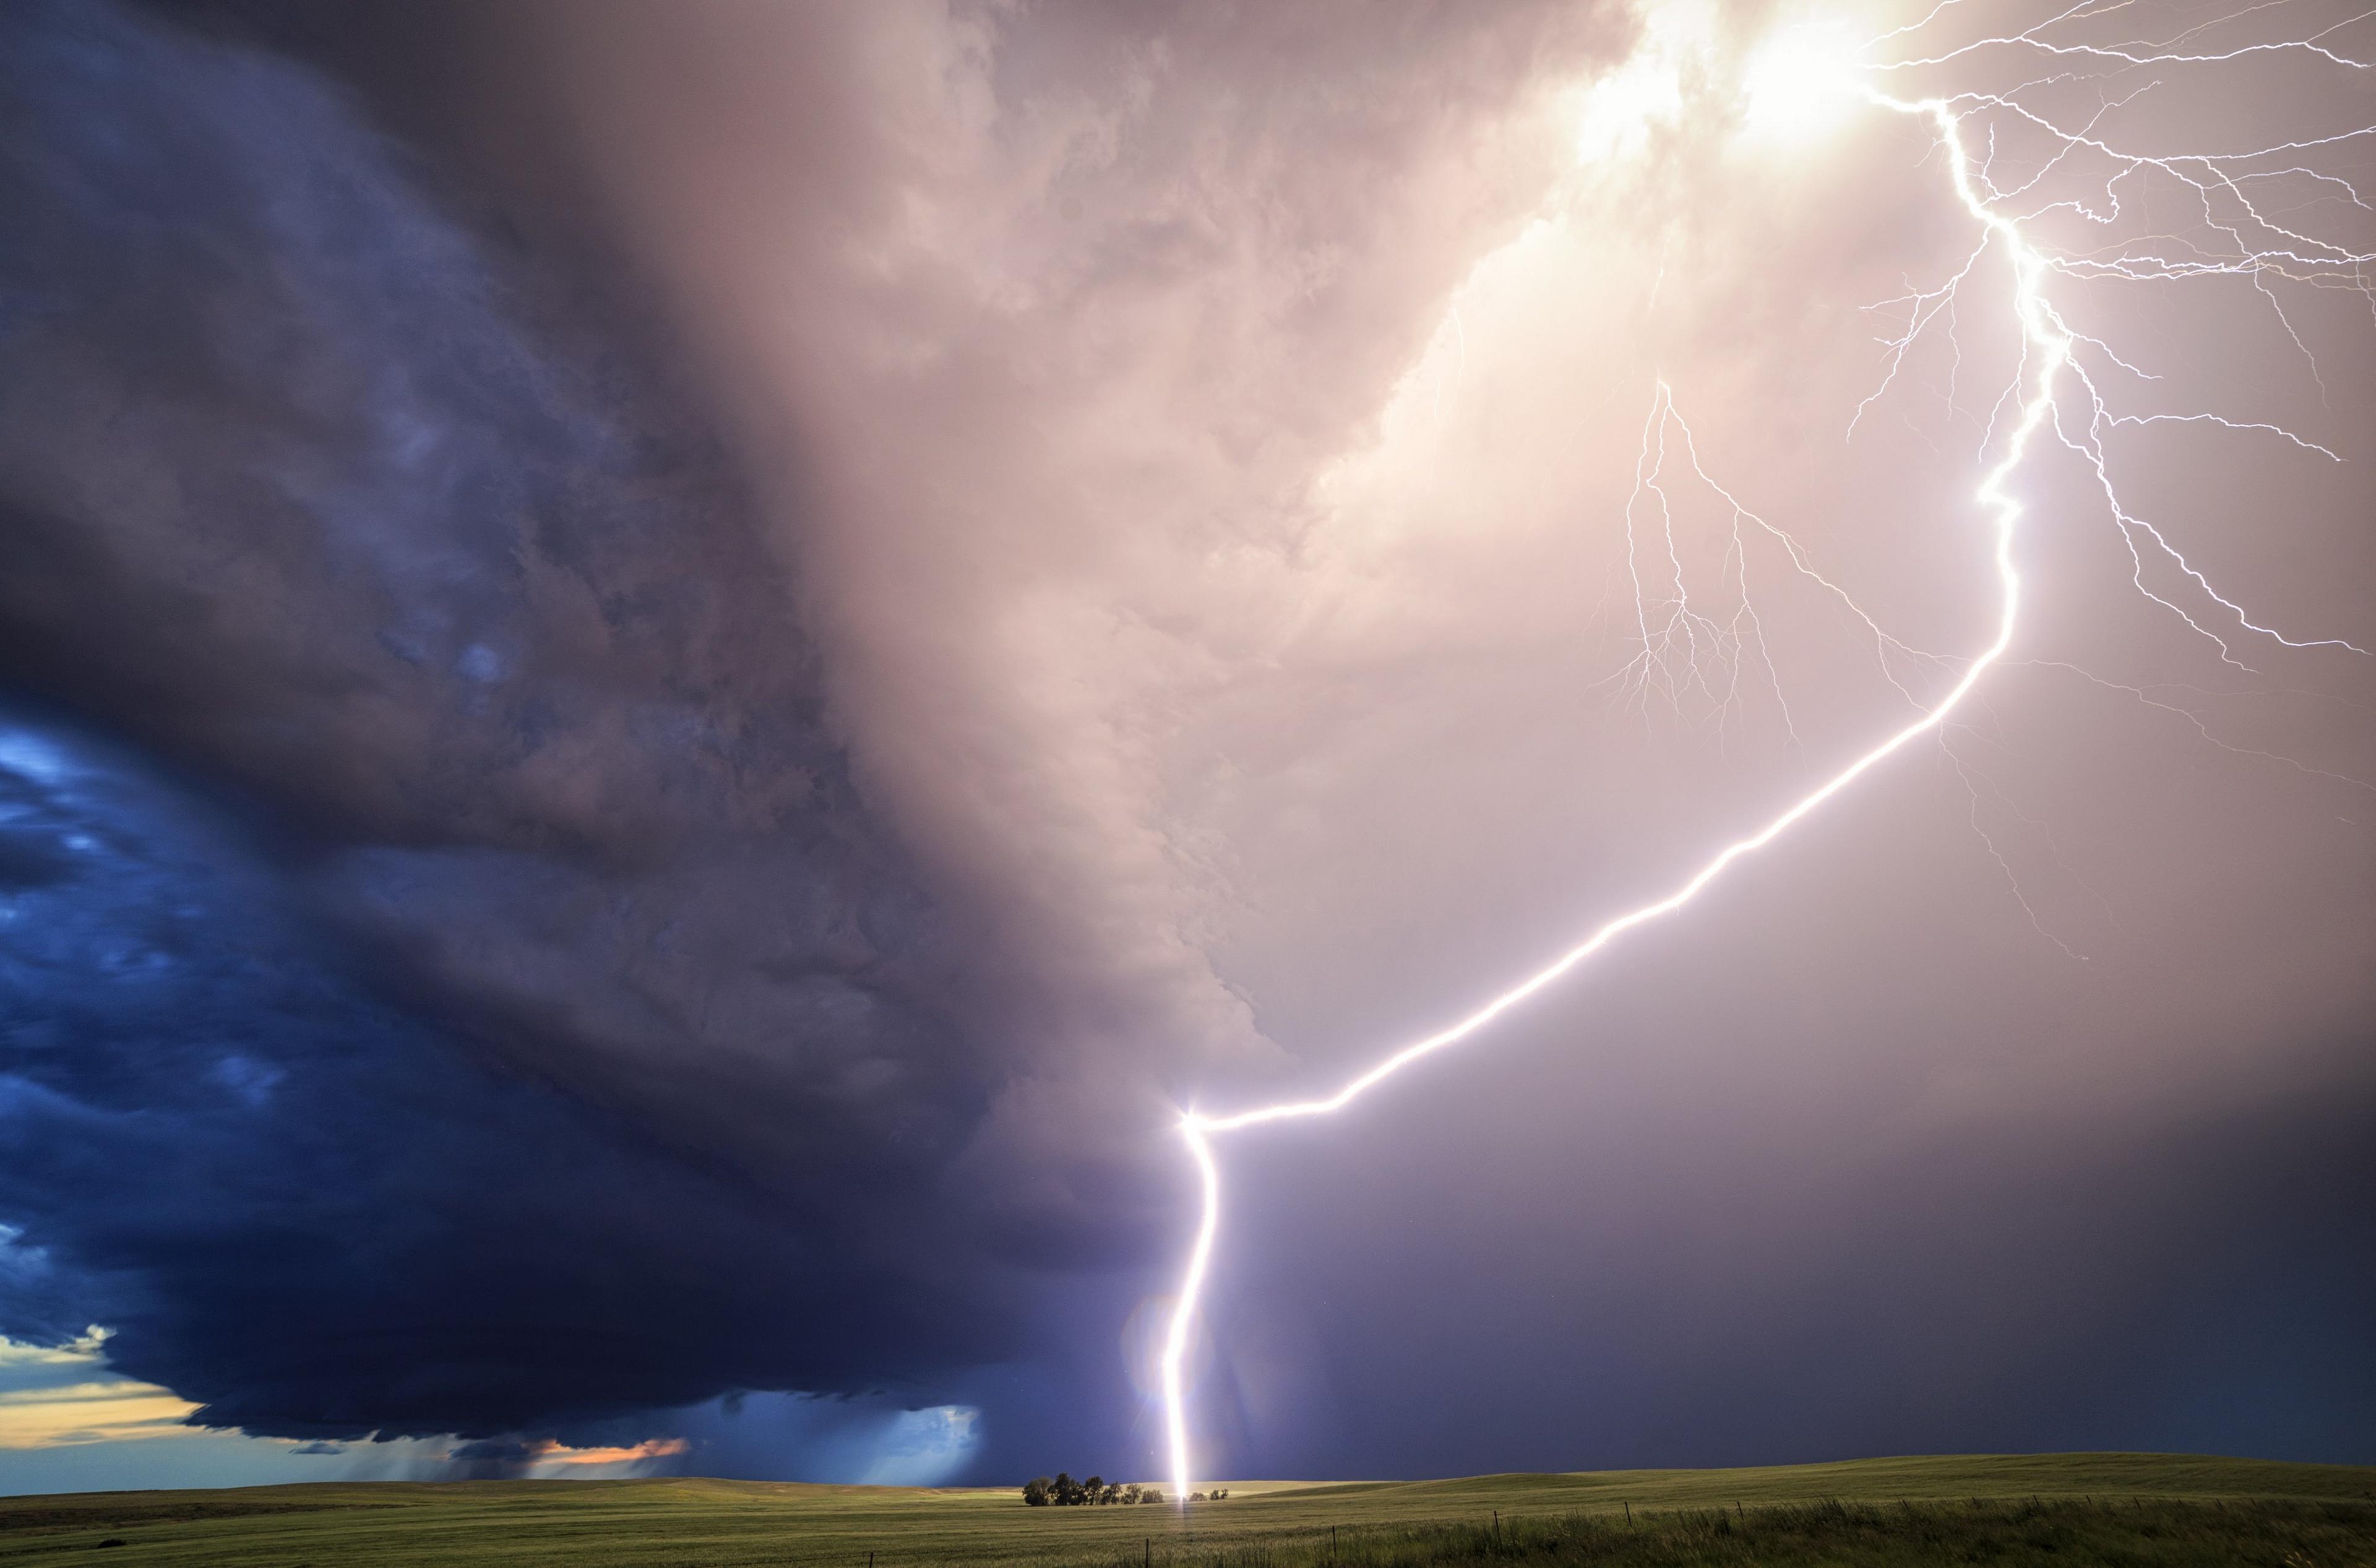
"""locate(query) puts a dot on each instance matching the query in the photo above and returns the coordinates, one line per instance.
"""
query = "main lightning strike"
(2050, 356)
(2053, 349)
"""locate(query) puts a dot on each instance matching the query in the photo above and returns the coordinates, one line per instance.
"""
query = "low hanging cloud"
(322, 1208)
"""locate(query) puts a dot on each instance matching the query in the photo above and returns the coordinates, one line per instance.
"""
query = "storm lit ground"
(2108, 1508)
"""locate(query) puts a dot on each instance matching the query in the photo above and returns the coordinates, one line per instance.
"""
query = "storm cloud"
(442, 860)
(672, 672)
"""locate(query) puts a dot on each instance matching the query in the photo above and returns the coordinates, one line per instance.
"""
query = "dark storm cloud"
(649, 1084)
(300, 1204)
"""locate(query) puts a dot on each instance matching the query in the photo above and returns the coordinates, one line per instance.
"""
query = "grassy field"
(2070, 1509)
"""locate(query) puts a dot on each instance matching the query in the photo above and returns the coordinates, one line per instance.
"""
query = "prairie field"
(2081, 1509)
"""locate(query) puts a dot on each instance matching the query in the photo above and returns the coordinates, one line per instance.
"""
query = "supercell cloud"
(668, 675)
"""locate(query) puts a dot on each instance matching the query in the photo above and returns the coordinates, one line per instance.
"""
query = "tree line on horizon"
(1064, 1491)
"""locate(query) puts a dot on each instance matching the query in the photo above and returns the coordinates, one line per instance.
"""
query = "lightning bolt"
(1674, 635)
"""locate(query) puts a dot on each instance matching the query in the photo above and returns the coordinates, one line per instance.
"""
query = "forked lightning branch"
(2253, 216)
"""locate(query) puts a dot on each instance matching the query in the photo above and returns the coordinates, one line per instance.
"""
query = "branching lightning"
(2055, 395)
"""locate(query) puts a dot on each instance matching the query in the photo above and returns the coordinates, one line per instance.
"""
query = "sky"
(670, 677)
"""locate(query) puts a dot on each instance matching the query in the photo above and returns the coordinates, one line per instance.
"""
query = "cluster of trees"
(1066, 1493)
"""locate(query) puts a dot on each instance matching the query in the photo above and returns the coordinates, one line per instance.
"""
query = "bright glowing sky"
(673, 674)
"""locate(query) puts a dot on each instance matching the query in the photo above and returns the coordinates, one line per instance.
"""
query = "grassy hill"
(2076, 1509)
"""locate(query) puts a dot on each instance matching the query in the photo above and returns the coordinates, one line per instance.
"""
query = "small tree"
(1040, 1491)
(1152, 1494)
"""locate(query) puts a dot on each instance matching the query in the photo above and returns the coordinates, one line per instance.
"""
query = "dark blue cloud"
(304, 1206)
(452, 982)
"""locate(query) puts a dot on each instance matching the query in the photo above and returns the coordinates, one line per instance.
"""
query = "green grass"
(2082, 1509)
